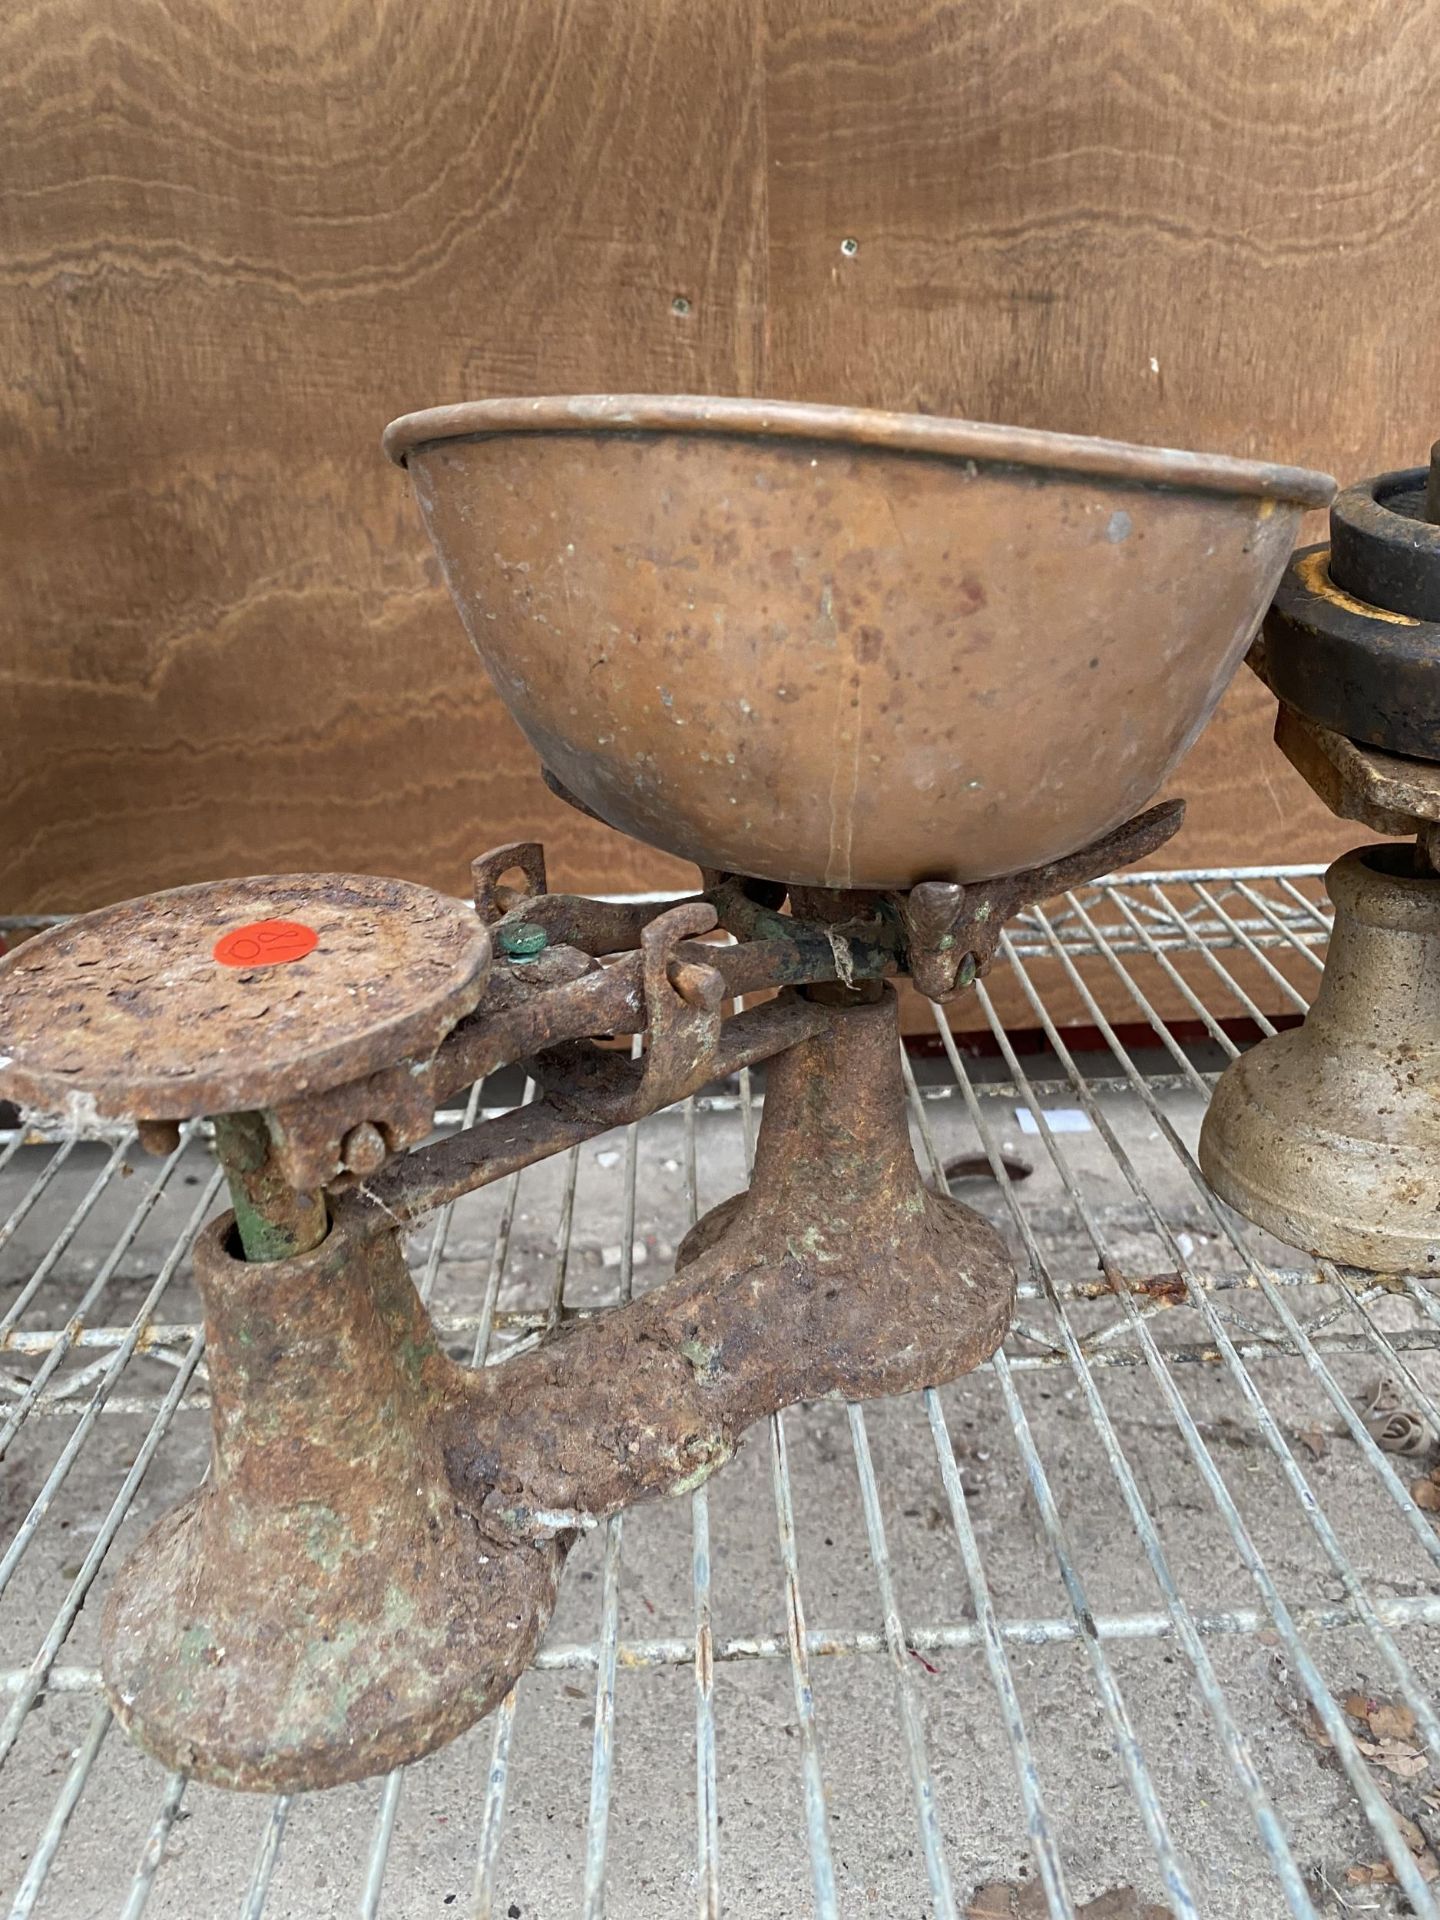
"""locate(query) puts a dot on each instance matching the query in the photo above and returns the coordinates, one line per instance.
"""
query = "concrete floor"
(870, 1810)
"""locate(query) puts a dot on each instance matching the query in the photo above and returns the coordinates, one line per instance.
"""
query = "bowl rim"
(980, 441)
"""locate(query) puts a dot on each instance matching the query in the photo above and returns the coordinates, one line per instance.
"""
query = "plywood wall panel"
(235, 239)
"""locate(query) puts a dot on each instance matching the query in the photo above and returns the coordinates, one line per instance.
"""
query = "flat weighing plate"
(234, 994)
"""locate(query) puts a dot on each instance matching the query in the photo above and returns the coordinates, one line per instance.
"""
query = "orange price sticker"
(265, 943)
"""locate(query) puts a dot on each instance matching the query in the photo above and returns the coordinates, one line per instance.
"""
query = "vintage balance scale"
(902, 674)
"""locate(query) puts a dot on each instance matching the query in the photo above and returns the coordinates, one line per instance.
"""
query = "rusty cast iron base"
(838, 1274)
(374, 1555)
(897, 1286)
(323, 1607)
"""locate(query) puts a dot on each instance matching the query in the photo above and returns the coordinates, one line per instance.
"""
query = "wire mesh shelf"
(1142, 1613)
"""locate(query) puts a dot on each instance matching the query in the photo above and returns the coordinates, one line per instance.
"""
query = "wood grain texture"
(236, 239)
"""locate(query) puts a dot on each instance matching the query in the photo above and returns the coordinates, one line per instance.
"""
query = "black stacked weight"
(1352, 640)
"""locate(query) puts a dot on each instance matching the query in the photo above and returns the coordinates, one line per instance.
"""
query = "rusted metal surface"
(929, 931)
(128, 1012)
(1328, 1136)
(549, 989)
(682, 1026)
(328, 1604)
(272, 1218)
(374, 1554)
(561, 995)
(535, 1003)
(158, 1137)
(583, 1091)
(375, 1551)
(535, 1009)
(369, 1564)
(842, 649)
(952, 932)
(594, 926)
(488, 870)
(838, 1274)
(1386, 792)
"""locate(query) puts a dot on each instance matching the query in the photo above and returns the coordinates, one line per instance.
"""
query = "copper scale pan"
(841, 648)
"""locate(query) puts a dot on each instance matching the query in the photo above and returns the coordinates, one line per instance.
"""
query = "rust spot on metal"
(1313, 569)
(704, 1658)
(1168, 1289)
(159, 1137)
